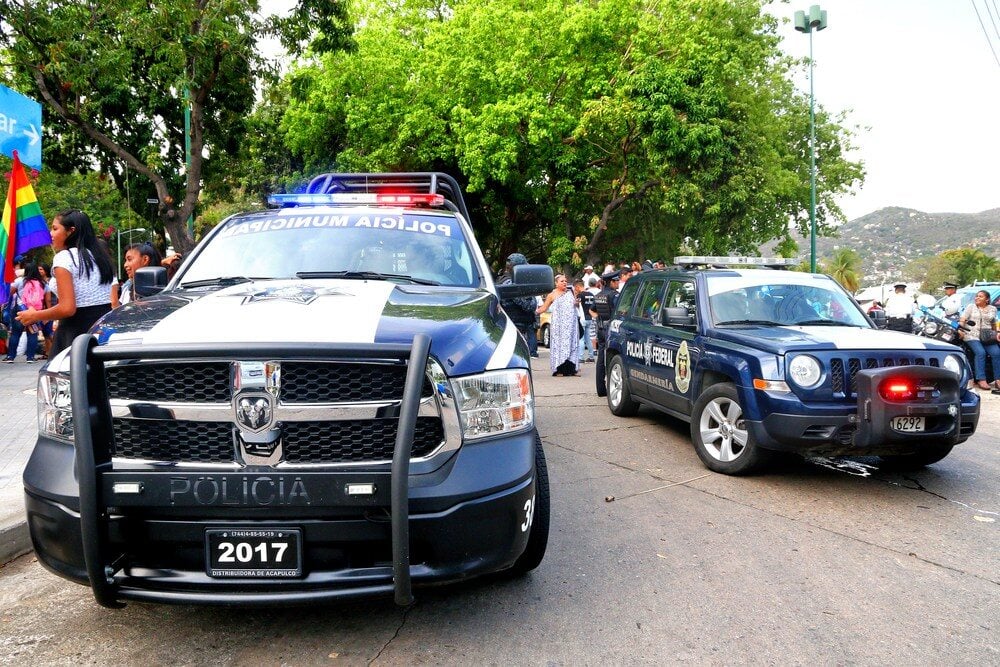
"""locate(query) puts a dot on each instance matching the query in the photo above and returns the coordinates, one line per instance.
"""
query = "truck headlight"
(494, 402)
(804, 371)
(55, 407)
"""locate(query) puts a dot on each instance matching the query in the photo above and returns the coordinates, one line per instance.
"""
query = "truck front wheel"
(538, 538)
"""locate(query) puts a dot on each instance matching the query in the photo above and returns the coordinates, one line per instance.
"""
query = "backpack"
(9, 309)
(32, 294)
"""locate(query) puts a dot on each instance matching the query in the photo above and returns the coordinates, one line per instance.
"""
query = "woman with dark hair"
(982, 337)
(137, 256)
(83, 271)
(30, 290)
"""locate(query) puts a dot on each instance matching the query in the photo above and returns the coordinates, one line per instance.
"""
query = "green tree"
(580, 127)
(116, 76)
(845, 267)
(973, 265)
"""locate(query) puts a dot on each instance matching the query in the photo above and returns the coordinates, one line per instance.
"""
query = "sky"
(920, 79)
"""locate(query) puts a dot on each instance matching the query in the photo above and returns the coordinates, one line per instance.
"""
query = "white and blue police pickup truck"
(761, 360)
(327, 401)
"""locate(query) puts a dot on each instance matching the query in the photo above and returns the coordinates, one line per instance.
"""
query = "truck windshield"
(808, 300)
(290, 243)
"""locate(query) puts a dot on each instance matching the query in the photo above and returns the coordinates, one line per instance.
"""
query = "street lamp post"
(129, 232)
(815, 20)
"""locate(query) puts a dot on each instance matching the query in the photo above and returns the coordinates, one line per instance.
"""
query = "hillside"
(888, 239)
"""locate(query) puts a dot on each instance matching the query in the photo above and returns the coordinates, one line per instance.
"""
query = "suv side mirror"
(677, 317)
(528, 280)
(149, 280)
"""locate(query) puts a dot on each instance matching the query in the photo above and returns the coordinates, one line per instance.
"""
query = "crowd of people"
(80, 288)
(579, 309)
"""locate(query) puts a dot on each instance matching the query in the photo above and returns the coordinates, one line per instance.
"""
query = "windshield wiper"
(763, 322)
(364, 275)
(223, 281)
(819, 323)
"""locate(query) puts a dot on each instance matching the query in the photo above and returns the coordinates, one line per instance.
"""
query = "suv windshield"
(794, 300)
(329, 243)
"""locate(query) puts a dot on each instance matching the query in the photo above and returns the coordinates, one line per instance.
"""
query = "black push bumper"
(463, 519)
(950, 417)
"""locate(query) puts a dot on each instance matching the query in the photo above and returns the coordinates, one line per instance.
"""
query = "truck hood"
(469, 332)
(780, 340)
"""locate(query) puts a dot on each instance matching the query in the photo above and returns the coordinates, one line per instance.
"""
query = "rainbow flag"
(23, 225)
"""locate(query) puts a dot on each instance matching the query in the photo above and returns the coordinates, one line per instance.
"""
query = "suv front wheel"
(719, 432)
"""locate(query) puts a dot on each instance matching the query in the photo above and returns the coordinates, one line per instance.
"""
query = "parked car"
(544, 328)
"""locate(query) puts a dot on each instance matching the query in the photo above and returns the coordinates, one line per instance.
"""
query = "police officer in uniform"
(899, 310)
(604, 311)
(952, 302)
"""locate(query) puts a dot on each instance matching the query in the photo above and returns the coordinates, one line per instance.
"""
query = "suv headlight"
(494, 402)
(804, 371)
(55, 407)
(954, 364)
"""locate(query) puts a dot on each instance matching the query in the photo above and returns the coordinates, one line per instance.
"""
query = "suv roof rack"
(714, 261)
(429, 182)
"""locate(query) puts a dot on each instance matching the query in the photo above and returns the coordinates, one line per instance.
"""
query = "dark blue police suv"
(761, 360)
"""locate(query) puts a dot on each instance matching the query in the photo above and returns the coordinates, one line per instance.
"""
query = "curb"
(14, 539)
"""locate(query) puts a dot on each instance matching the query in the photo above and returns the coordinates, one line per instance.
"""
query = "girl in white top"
(83, 271)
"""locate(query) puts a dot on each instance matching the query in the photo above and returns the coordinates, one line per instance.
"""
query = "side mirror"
(879, 318)
(528, 280)
(149, 280)
(677, 317)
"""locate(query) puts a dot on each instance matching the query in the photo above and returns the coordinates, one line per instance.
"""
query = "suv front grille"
(847, 383)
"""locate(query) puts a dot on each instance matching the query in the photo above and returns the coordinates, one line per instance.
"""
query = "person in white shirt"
(899, 309)
(83, 271)
(952, 302)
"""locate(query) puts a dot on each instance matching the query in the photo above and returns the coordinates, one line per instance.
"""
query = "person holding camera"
(982, 337)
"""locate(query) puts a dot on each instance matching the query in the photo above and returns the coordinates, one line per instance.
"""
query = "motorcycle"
(943, 329)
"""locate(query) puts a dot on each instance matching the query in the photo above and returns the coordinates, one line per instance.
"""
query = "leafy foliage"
(116, 76)
(603, 124)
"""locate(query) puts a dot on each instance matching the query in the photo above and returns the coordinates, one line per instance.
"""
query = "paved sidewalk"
(18, 429)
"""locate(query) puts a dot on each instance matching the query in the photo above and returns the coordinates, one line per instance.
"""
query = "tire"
(544, 338)
(719, 434)
(538, 538)
(619, 395)
(926, 456)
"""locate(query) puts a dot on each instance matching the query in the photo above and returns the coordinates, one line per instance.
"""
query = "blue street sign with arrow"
(21, 127)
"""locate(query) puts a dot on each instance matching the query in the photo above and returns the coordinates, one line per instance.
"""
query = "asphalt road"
(806, 564)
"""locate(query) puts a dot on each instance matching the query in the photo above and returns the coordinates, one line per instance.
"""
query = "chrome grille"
(355, 440)
(157, 440)
(327, 412)
(197, 383)
(308, 382)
